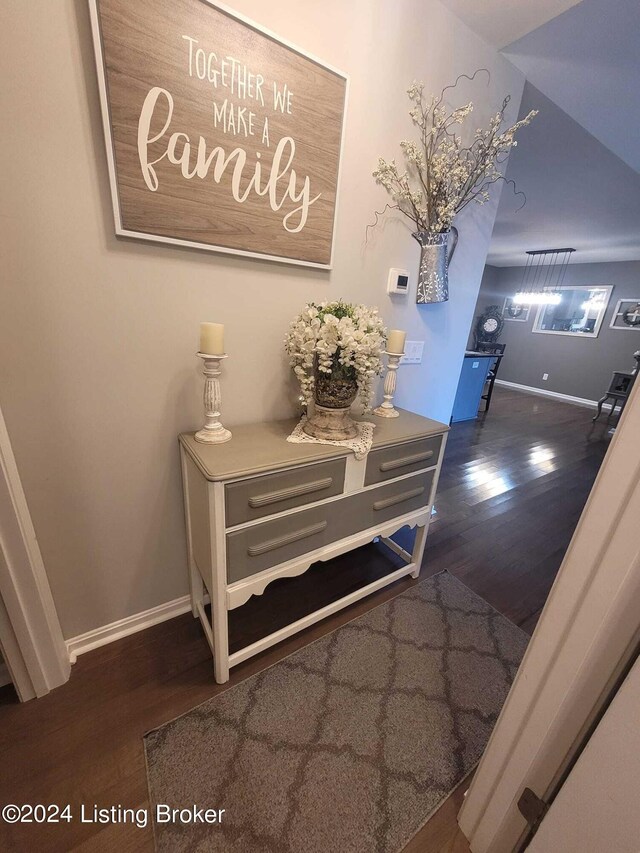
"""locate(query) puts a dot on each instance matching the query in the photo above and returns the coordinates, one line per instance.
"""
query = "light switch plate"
(412, 352)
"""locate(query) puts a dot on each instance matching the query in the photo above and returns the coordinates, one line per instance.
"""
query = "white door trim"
(597, 807)
(587, 632)
(31, 640)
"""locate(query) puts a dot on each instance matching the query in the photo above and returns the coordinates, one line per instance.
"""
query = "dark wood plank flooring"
(512, 489)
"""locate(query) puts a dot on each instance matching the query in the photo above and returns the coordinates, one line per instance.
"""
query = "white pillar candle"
(395, 341)
(212, 338)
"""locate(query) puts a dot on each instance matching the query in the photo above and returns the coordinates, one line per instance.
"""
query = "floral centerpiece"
(441, 176)
(335, 350)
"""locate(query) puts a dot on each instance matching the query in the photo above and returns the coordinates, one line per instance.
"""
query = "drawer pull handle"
(292, 492)
(287, 539)
(398, 499)
(406, 460)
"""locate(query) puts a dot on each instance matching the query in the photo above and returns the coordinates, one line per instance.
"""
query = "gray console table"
(259, 508)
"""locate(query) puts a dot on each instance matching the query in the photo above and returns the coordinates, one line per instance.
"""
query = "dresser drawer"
(399, 459)
(261, 546)
(387, 502)
(258, 497)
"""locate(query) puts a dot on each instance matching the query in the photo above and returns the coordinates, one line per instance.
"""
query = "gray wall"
(98, 335)
(577, 366)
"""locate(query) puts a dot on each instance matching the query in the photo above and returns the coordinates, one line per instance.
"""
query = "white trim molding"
(30, 635)
(541, 392)
(124, 627)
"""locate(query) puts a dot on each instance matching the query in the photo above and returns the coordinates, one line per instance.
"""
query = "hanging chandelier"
(543, 277)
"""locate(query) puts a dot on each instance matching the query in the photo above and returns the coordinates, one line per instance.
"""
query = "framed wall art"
(220, 135)
(579, 312)
(626, 314)
(513, 311)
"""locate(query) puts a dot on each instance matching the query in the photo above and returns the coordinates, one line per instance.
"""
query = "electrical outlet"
(545, 376)
(412, 352)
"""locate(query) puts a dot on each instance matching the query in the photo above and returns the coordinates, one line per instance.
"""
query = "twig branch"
(379, 213)
(464, 77)
(442, 175)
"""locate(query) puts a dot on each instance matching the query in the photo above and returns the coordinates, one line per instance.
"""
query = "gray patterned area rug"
(349, 744)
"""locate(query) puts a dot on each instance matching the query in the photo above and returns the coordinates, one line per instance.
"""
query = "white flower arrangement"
(442, 176)
(341, 340)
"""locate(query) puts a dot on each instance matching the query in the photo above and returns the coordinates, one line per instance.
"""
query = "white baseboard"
(123, 627)
(541, 392)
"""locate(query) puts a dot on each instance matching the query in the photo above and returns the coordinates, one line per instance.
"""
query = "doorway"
(31, 642)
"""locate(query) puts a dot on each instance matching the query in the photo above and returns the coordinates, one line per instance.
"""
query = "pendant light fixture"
(543, 277)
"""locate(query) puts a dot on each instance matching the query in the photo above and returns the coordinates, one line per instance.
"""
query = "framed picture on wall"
(513, 311)
(579, 311)
(219, 134)
(626, 314)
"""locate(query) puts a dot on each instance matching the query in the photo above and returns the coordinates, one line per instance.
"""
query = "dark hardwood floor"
(512, 488)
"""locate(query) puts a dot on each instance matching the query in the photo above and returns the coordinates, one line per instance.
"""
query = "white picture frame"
(114, 177)
(621, 306)
(602, 310)
(522, 318)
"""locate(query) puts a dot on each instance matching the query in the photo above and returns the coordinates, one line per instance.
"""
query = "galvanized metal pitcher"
(436, 251)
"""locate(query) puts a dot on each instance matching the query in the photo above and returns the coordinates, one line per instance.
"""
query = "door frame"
(31, 639)
(586, 635)
(596, 808)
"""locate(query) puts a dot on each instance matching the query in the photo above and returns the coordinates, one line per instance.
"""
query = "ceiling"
(579, 193)
(501, 22)
(579, 160)
(588, 62)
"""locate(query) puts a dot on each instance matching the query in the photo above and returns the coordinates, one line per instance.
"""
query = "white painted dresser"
(259, 508)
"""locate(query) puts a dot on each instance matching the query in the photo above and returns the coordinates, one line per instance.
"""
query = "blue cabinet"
(473, 376)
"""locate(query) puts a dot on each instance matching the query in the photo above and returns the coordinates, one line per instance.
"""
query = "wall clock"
(489, 325)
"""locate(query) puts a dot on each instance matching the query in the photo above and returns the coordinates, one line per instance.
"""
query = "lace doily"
(360, 444)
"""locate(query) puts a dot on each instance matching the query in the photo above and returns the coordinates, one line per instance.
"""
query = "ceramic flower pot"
(436, 251)
(333, 398)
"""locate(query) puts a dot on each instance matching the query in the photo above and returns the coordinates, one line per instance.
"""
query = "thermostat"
(398, 282)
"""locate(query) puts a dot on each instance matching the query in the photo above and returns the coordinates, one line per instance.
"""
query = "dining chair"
(498, 351)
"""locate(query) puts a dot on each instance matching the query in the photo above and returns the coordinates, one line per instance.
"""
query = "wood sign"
(219, 134)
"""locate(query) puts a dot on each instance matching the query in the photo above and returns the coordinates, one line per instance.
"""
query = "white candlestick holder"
(386, 409)
(212, 432)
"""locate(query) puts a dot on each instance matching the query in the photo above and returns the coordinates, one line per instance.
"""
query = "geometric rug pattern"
(350, 743)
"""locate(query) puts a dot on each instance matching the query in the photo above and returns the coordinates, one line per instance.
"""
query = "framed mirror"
(579, 312)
